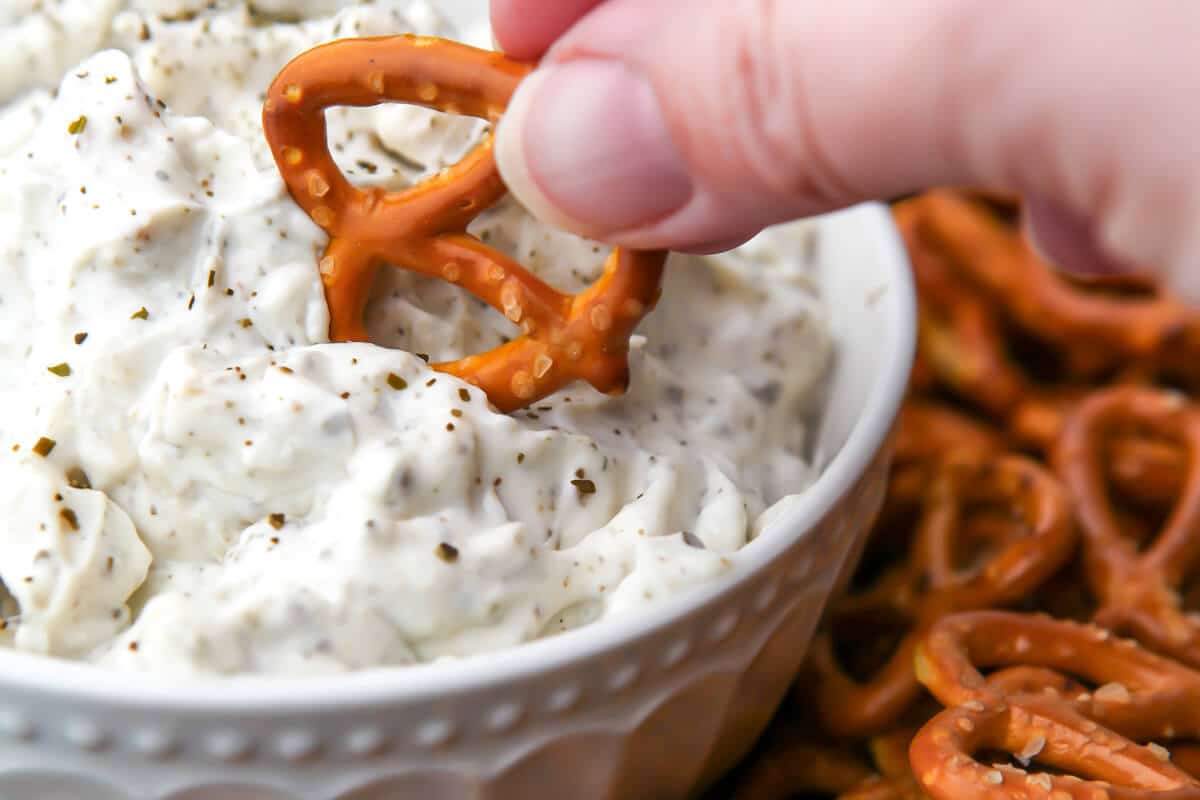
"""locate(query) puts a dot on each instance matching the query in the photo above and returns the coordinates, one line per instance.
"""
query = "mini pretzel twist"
(1112, 767)
(1141, 696)
(1138, 590)
(795, 764)
(1095, 329)
(1034, 544)
(1142, 469)
(961, 339)
(423, 229)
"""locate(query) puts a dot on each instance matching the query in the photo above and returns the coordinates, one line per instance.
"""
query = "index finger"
(525, 29)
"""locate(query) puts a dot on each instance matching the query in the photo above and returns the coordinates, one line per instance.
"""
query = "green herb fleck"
(80, 338)
(44, 446)
(276, 521)
(141, 313)
(447, 552)
(77, 126)
(584, 486)
(464, 395)
(396, 382)
(62, 370)
(245, 322)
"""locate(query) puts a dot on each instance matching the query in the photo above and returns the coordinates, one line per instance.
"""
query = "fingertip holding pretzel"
(564, 337)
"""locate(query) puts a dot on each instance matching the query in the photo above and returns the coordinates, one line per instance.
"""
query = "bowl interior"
(869, 295)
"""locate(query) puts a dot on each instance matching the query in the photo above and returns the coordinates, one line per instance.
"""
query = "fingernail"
(584, 146)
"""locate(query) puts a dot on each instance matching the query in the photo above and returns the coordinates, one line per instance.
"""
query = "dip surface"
(196, 482)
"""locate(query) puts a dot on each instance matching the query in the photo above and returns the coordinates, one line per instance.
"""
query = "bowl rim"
(400, 685)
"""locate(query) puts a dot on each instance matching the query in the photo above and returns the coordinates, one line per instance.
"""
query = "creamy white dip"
(194, 481)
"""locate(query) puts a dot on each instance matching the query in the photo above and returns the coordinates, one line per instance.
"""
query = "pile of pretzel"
(1021, 625)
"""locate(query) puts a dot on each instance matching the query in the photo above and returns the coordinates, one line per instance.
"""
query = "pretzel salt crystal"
(1138, 588)
(932, 583)
(423, 229)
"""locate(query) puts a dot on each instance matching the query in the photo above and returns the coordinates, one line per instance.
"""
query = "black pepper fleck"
(69, 518)
(78, 479)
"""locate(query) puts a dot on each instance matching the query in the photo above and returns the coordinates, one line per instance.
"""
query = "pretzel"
(931, 582)
(796, 765)
(1142, 696)
(960, 338)
(926, 431)
(895, 780)
(1138, 591)
(1187, 758)
(1140, 469)
(423, 229)
(1094, 328)
(1114, 767)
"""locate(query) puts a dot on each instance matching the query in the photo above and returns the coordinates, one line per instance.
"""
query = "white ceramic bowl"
(650, 706)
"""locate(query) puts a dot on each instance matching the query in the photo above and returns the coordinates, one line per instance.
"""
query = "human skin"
(692, 124)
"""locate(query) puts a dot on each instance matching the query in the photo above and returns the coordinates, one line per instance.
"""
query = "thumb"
(693, 124)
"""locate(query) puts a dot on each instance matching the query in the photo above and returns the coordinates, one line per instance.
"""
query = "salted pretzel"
(796, 764)
(1140, 468)
(1047, 716)
(1098, 764)
(895, 780)
(1094, 328)
(926, 430)
(1138, 585)
(423, 229)
(933, 581)
(960, 339)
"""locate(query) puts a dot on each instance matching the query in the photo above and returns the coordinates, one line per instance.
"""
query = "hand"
(692, 124)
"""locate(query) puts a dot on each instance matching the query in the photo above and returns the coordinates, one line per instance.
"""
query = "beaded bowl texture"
(655, 705)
